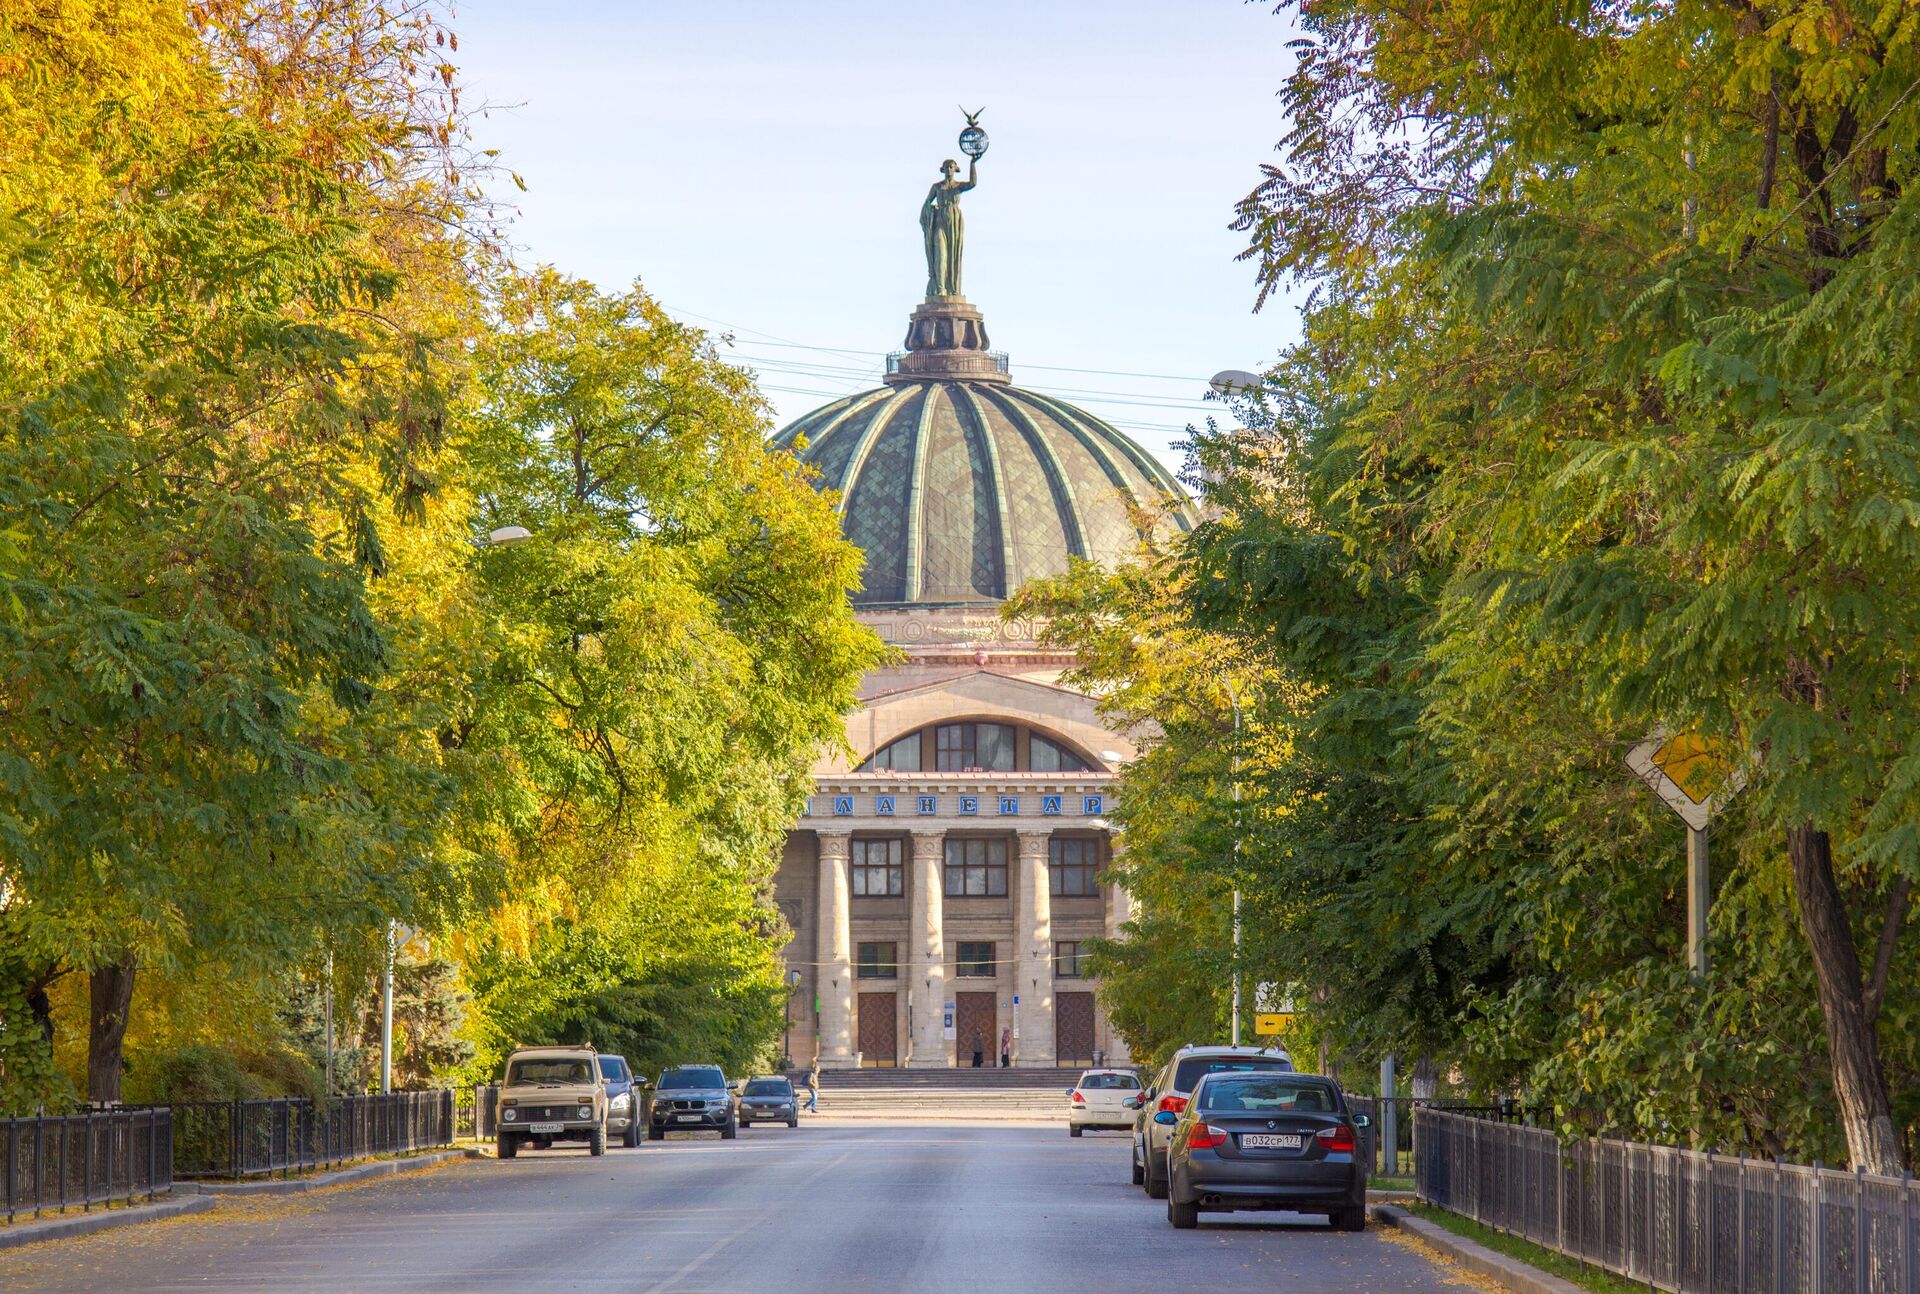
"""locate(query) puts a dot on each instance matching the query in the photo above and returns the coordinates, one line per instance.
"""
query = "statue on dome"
(943, 230)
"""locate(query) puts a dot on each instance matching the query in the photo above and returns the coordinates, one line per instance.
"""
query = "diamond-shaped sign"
(1689, 773)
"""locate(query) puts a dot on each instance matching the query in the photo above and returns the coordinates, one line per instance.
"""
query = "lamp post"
(786, 1034)
(386, 1017)
(502, 537)
(1234, 699)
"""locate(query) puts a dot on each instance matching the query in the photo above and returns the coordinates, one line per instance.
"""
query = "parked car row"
(555, 1094)
(1223, 1129)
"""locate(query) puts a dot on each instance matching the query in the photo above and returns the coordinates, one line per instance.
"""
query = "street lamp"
(786, 1034)
(502, 537)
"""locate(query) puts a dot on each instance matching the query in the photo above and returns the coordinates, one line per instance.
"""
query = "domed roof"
(962, 488)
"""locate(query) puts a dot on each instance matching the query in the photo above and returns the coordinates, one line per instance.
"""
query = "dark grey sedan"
(1266, 1141)
(768, 1100)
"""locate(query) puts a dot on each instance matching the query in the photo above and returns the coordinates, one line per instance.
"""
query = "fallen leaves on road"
(1455, 1274)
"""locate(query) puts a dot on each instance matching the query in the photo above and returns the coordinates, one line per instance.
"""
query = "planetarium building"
(942, 886)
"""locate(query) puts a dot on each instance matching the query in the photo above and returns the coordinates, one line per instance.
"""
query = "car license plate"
(1270, 1140)
(546, 1127)
(687, 1118)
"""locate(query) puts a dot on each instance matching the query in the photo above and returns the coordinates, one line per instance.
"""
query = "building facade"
(942, 885)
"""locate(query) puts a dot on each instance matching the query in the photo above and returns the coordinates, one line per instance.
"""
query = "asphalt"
(828, 1207)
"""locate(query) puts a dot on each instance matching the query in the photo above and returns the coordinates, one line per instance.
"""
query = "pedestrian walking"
(979, 1050)
(1006, 1048)
(811, 1082)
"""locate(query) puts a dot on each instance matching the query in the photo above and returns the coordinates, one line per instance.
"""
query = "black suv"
(692, 1097)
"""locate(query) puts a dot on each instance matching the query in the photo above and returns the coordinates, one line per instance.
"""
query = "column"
(1119, 912)
(833, 951)
(1033, 937)
(926, 950)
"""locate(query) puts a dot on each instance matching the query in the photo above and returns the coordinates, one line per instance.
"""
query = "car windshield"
(613, 1069)
(1109, 1083)
(1188, 1073)
(694, 1076)
(1266, 1095)
(549, 1069)
(769, 1087)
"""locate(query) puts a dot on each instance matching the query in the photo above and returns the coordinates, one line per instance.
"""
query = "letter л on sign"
(842, 806)
(883, 806)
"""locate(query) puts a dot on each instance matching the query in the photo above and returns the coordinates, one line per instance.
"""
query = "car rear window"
(1188, 1073)
(612, 1068)
(694, 1076)
(1266, 1095)
(561, 1070)
(769, 1087)
(1109, 1083)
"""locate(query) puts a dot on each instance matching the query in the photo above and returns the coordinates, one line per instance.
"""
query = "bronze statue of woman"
(941, 227)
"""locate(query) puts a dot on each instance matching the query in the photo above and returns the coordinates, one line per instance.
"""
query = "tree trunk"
(112, 996)
(1426, 1078)
(1859, 1082)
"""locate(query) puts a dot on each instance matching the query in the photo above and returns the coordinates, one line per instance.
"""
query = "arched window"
(958, 747)
(902, 756)
(1048, 756)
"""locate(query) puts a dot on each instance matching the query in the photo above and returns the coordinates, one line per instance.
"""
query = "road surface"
(828, 1207)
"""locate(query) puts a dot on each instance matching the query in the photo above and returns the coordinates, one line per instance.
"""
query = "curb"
(82, 1224)
(1509, 1273)
(320, 1181)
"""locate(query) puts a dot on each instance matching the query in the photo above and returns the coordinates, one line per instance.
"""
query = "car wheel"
(631, 1137)
(1139, 1177)
(1185, 1217)
(597, 1140)
(1073, 1129)
(1156, 1184)
(729, 1132)
(508, 1145)
(656, 1134)
(1351, 1219)
(793, 1120)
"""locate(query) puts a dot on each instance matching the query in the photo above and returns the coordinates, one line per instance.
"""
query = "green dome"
(960, 490)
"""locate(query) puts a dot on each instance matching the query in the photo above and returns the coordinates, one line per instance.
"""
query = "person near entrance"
(979, 1050)
(811, 1081)
(1006, 1048)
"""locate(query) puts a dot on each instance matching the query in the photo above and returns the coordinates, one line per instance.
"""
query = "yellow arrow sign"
(1272, 1022)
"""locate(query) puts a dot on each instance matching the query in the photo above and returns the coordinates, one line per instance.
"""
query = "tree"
(1614, 345)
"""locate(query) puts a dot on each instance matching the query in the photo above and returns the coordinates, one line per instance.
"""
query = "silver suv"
(1167, 1098)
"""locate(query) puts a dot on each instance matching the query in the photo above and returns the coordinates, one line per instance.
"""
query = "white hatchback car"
(1103, 1098)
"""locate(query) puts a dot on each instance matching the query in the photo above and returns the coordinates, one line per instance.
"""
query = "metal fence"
(1680, 1220)
(85, 1159)
(282, 1135)
(479, 1121)
(1373, 1149)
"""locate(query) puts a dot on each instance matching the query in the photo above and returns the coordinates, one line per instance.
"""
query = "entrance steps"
(1029, 1093)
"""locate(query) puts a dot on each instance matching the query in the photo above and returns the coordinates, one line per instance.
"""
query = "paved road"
(829, 1207)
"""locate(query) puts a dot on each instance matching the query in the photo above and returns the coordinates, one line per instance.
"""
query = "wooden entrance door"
(976, 1017)
(879, 1031)
(1073, 1028)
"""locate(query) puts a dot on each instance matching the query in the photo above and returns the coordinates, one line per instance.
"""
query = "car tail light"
(1173, 1105)
(1205, 1137)
(1079, 1099)
(1338, 1137)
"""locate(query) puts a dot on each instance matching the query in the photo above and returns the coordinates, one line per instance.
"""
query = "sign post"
(1688, 772)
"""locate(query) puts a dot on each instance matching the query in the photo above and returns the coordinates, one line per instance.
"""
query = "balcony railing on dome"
(999, 358)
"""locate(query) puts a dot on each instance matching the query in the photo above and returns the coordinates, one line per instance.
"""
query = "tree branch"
(1876, 990)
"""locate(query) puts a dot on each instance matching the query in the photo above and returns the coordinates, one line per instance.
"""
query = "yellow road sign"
(1272, 1022)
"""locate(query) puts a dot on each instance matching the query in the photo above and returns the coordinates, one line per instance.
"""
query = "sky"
(760, 167)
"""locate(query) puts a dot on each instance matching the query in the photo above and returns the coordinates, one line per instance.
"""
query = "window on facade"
(901, 756)
(974, 961)
(1066, 959)
(1071, 866)
(1045, 755)
(976, 869)
(876, 870)
(878, 961)
(961, 746)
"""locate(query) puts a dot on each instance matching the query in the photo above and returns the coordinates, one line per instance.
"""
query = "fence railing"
(85, 1159)
(1680, 1220)
(1373, 1149)
(478, 1117)
(251, 1138)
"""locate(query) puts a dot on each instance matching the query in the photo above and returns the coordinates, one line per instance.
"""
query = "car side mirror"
(1166, 1118)
(1362, 1121)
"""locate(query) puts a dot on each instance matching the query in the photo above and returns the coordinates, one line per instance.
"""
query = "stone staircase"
(1028, 1094)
